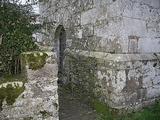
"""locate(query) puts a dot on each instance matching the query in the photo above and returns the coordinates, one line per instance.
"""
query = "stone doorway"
(60, 36)
(70, 106)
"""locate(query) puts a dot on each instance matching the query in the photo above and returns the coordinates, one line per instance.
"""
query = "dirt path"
(72, 108)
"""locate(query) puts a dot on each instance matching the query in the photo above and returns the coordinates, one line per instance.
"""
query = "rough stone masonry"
(110, 48)
(121, 36)
(39, 100)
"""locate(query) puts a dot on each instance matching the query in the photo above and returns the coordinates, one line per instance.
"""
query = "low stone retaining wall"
(39, 100)
(123, 81)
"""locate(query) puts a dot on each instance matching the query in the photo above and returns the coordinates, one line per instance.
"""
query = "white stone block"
(153, 92)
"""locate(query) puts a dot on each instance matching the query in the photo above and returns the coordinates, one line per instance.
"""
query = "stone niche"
(39, 100)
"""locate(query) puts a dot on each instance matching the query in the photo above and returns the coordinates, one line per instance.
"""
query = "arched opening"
(65, 87)
(60, 45)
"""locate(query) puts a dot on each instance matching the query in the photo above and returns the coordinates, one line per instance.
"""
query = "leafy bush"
(16, 31)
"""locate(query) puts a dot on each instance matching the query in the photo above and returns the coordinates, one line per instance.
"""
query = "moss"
(13, 78)
(82, 75)
(35, 60)
(102, 109)
(10, 94)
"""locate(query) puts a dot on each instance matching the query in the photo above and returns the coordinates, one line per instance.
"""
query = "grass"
(102, 110)
(105, 113)
(150, 113)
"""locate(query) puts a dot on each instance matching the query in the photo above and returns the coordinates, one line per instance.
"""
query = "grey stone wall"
(122, 34)
(39, 100)
(123, 81)
(128, 81)
(119, 26)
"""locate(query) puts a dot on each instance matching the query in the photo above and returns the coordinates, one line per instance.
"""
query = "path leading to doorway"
(71, 108)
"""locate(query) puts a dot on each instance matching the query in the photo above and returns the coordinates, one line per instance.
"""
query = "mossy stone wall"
(81, 75)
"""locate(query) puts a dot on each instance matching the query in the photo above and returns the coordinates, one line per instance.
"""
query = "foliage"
(16, 29)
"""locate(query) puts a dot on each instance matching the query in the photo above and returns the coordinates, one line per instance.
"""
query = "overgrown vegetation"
(105, 113)
(16, 29)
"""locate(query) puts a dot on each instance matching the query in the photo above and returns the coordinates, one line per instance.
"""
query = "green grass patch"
(105, 113)
(102, 110)
(150, 113)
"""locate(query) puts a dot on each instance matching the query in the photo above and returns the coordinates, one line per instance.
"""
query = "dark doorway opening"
(70, 105)
(60, 49)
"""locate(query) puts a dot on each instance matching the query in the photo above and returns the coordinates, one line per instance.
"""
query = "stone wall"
(122, 81)
(117, 26)
(39, 99)
(122, 34)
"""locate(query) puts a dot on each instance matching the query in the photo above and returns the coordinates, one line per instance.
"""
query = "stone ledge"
(117, 57)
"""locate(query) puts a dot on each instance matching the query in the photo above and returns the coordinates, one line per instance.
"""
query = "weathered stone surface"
(39, 100)
(117, 37)
(121, 80)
